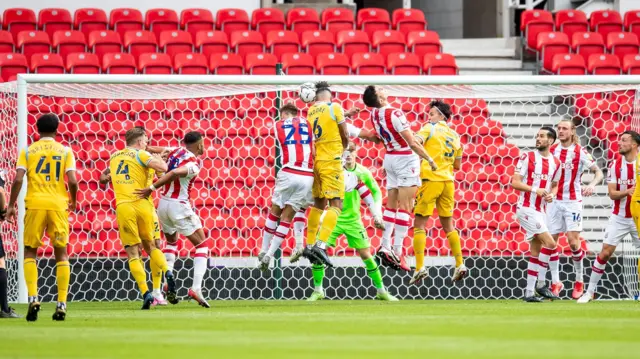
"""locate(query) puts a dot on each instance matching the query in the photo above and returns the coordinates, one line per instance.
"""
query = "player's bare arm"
(517, 184)
(344, 134)
(156, 163)
(616, 195)
(589, 189)
(72, 184)
(370, 136)
(16, 186)
(416, 145)
(3, 209)
(352, 111)
(105, 176)
(552, 195)
(166, 178)
(457, 164)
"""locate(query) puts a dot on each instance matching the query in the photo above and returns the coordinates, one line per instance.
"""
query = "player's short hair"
(192, 137)
(443, 107)
(550, 132)
(322, 86)
(370, 97)
(289, 108)
(635, 136)
(48, 123)
(133, 134)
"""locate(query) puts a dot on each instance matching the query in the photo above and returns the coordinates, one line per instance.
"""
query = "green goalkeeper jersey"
(358, 182)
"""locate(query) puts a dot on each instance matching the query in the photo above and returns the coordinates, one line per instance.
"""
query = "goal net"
(497, 119)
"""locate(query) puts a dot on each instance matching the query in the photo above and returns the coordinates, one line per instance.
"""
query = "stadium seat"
(87, 20)
(371, 20)
(631, 64)
(83, 63)
(368, 63)
(246, 42)
(333, 64)
(439, 64)
(6, 42)
(260, 64)
(33, 42)
(51, 20)
(301, 19)
(159, 20)
(298, 64)
(550, 44)
(103, 42)
(388, 42)
(265, 20)
(424, 42)
(140, 42)
(230, 20)
(632, 21)
(604, 64)
(606, 21)
(403, 64)
(196, 20)
(318, 42)
(47, 64)
(226, 64)
(407, 20)
(175, 42)
(212, 42)
(67, 42)
(533, 22)
(622, 43)
(282, 42)
(16, 20)
(125, 19)
(113, 63)
(353, 42)
(191, 64)
(568, 64)
(587, 43)
(335, 20)
(571, 21)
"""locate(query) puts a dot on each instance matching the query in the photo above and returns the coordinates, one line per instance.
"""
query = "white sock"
(170, 253)
(281, 233)
(578, 268)
(554, 266)
(319, 289)
(268, 231)
(532, 276)
(299, 222)
(200, 265)
(403, 223)
(389, 220)
(596, 274)
(156, 292)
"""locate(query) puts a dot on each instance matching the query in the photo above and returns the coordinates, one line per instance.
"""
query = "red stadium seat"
(403, 64)
(159, 20)
(631, 64)
(604, 64)
(267, 19)
(16, 20)
(212, 42)
(298, 64)
(407, 20)
(196, 20)
(113, 63)
(303, 19)
(125, 19)
(47, 64)
(606, 21)
(424, 42)
(175, 42)
(87, 20)
(83, 63)
(439, 64)
(388, 42)
(353, 42)
(550, 44)
(533, 22)
(103, 42)
(282, 42)
(571, 21)
(371, 20)
(247, 42)
(33, 42)
(587, 43)
(51, 20)
(68, 42)
(157, 64)
(230, 20)
(335, 20)
(622, 43)
(226, 64)
(333, 64)
(260, 64)
(6, 42)
(318, 42)
(632, 21)
(191, 64)
(369, 63)
(140, 42)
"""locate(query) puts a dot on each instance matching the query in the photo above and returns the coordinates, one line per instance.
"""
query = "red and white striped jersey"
(179, 189)
(388, 123)
(623, 175)
(573, 161)
(296, 143)
(537, 172)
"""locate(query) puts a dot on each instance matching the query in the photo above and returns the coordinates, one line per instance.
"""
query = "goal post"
(497, 117)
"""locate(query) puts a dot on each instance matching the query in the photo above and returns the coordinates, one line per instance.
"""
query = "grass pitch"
(330, 329)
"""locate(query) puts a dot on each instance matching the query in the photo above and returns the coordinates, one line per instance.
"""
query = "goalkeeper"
(359, 184)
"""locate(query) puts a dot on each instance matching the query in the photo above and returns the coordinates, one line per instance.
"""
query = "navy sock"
(4, 301)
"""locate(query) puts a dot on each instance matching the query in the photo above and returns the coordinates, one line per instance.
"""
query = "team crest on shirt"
(538, 225)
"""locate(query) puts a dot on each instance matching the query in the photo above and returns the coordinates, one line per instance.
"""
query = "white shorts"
(293, 189)
(532, 221)
(564, 217)
(176, 216)
(617, 228)
(402, 170)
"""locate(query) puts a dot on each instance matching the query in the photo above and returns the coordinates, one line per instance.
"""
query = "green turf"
(330, 329)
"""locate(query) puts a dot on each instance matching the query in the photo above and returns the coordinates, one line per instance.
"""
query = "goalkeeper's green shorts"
(355, 232)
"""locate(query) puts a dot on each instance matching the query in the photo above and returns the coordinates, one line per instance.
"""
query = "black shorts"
(1, 248)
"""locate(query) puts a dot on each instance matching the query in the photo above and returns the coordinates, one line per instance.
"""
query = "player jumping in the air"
(359, 184)
(45, 163)
(175, 213)
(536, 177)
(564, 214)
(621, 181)
(5, 310)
